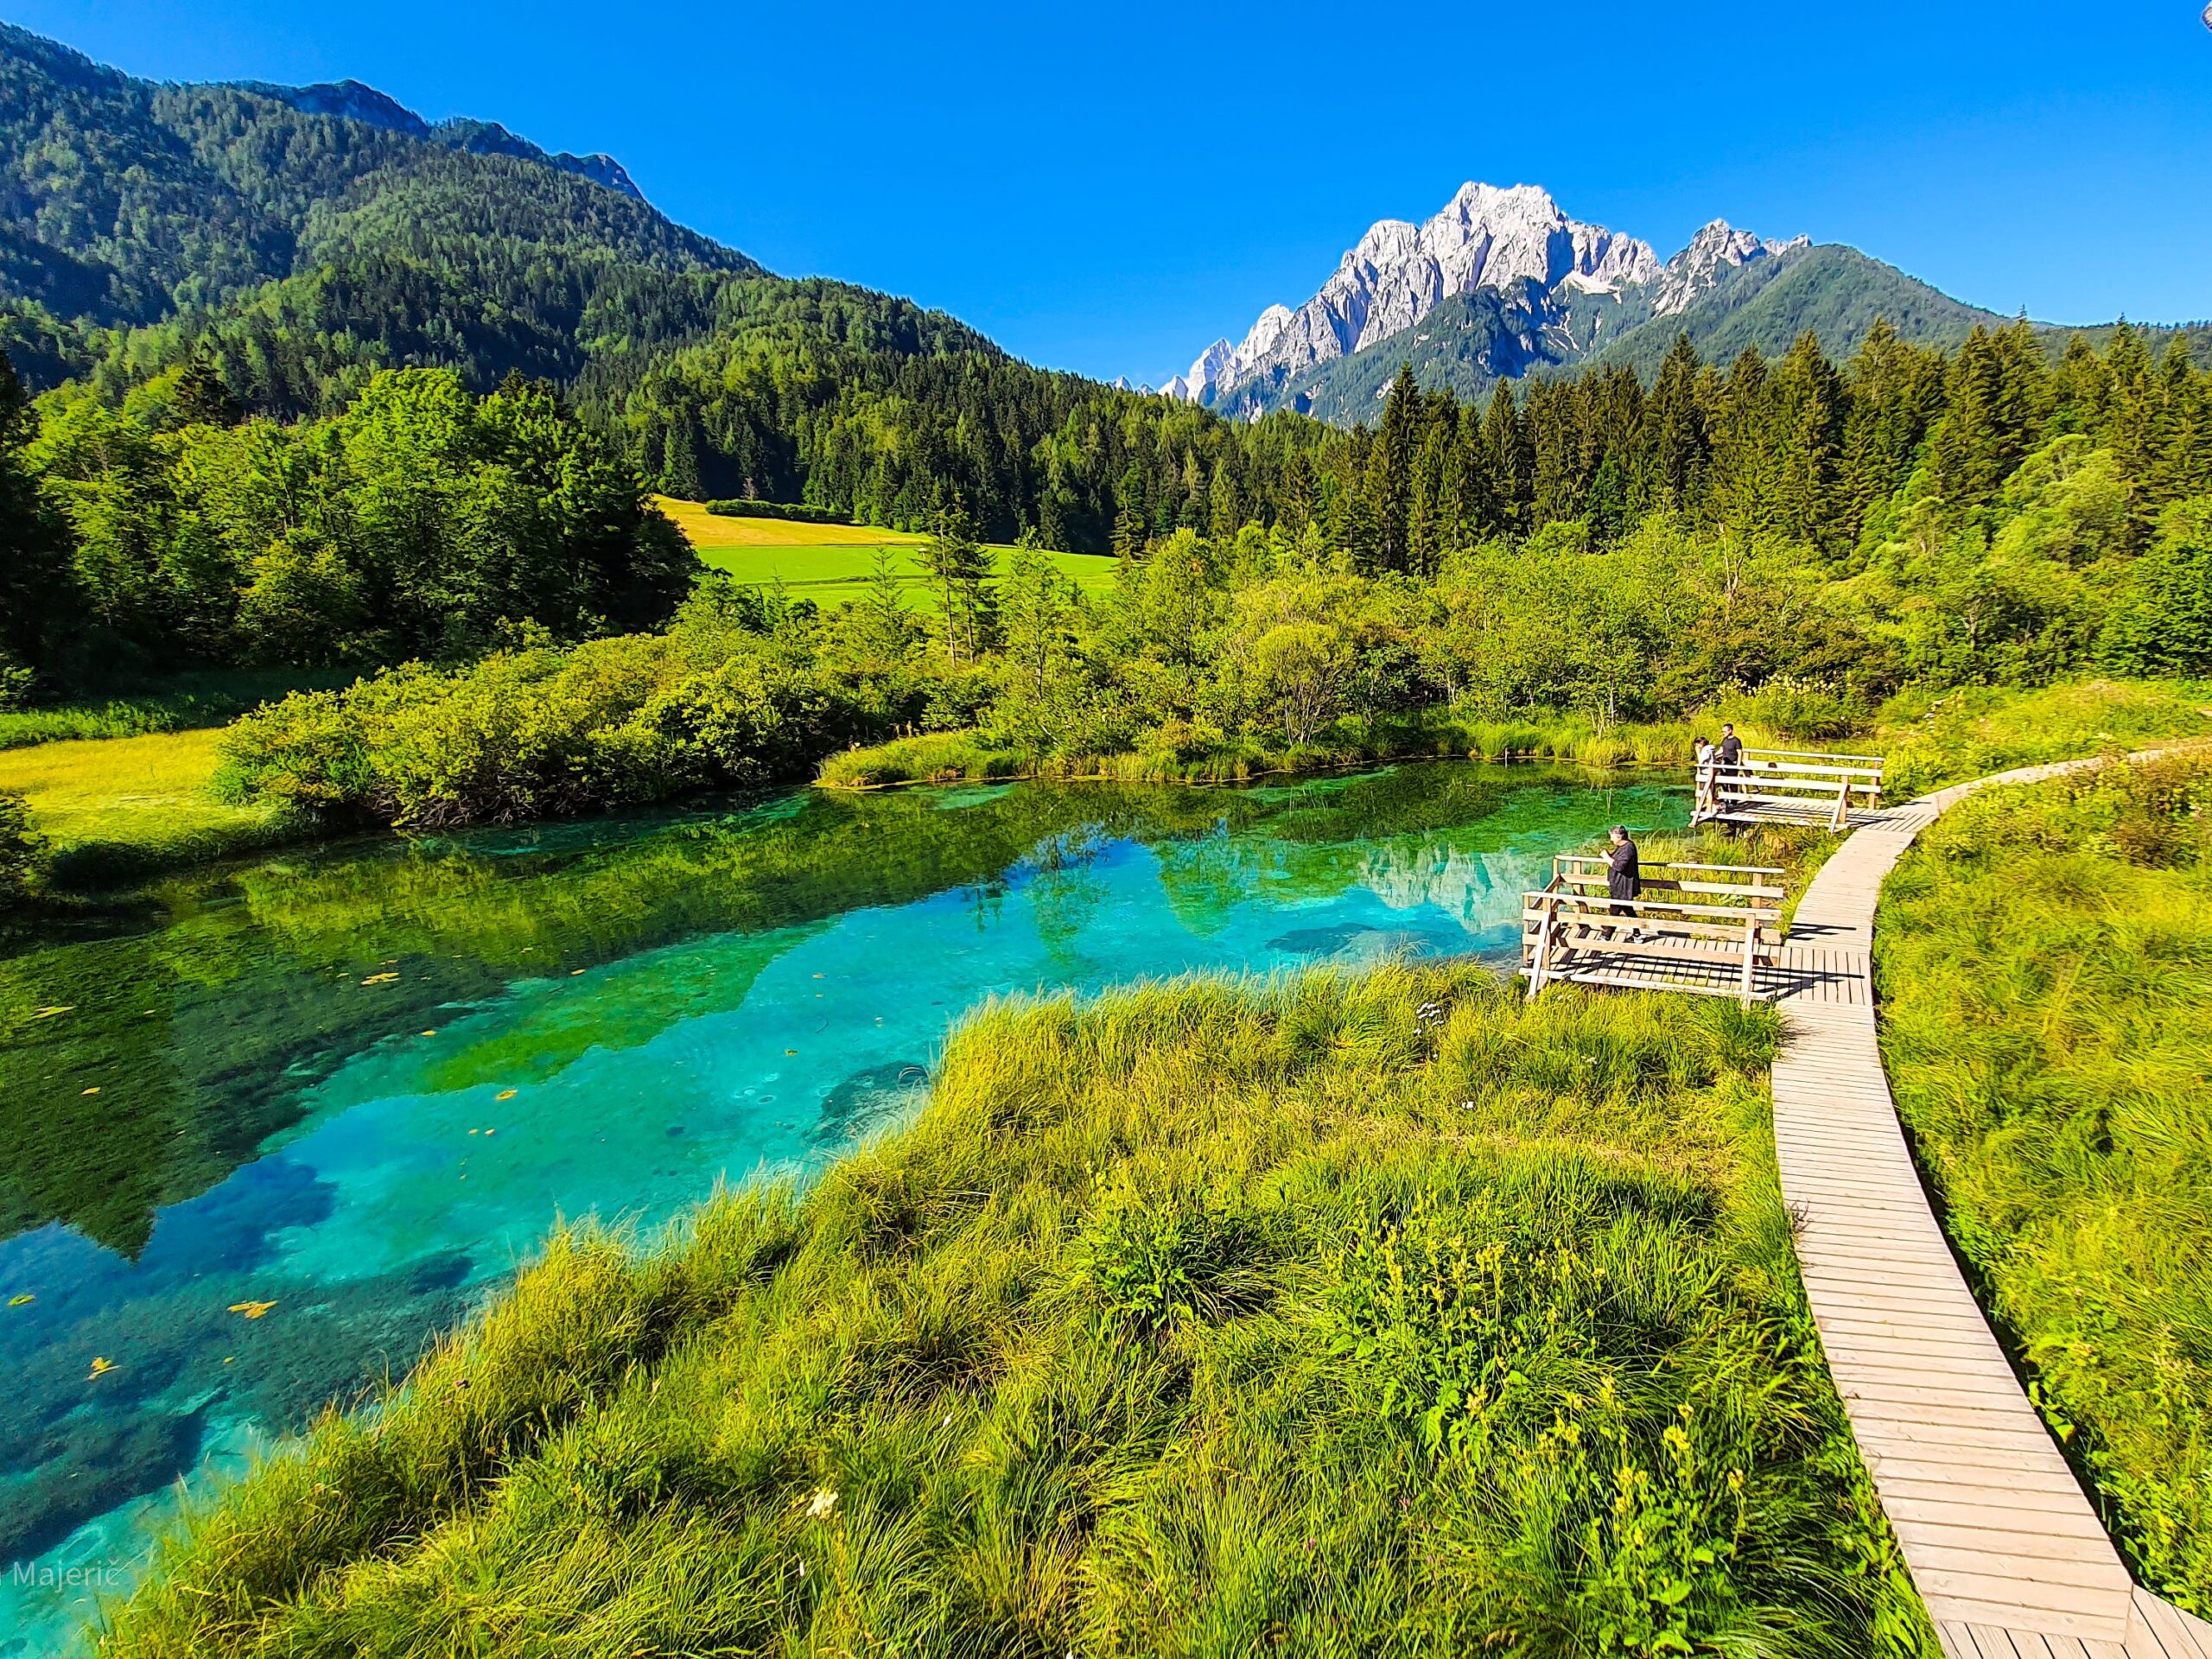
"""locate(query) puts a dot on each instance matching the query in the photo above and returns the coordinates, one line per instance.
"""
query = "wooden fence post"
(1542, 962)
(1751, 955)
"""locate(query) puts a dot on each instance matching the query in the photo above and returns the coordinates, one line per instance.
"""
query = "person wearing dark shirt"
(1624, 871)
(1731, 752)
(1623, 875)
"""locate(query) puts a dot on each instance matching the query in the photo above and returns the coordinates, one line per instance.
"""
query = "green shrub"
(797, 512)
(20, 846)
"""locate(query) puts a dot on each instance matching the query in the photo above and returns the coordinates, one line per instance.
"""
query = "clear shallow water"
(360, 1083)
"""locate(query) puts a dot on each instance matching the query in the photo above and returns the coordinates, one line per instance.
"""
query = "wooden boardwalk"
(2006, 1551)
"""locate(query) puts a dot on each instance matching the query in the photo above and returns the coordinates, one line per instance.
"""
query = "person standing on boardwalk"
(1701, 758)
(1727, 759)
(1624, 875)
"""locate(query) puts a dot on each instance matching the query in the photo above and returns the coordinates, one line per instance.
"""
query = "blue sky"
(1105, 188)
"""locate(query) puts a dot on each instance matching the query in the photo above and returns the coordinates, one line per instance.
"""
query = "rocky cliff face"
(1485, 239)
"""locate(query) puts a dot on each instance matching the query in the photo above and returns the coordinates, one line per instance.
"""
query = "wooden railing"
(1572, 929)
(1788, 786)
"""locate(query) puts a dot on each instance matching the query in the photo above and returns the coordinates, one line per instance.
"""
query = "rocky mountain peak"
(1718, 247)
(1487, 237)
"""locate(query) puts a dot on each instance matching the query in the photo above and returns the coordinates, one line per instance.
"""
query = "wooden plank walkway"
(2005, 1549)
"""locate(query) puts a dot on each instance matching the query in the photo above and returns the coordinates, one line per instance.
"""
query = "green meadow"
(2045, 966)
(831, 563)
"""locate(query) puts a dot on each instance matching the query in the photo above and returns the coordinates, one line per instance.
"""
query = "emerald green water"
(359, 1084)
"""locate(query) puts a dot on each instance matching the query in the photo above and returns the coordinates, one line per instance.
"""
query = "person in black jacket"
(1624, 875)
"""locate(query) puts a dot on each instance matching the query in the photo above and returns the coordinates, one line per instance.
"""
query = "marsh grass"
(1321, 1315)
(974, 756)
(2045, 965)
(1929, 739)
(1933, 740)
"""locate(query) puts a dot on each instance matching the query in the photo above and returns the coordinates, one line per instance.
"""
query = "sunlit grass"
(1321, 1315)
(831, 564)
(111, 808)
(2046, 960)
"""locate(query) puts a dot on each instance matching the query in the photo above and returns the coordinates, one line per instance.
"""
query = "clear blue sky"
(1106, 188)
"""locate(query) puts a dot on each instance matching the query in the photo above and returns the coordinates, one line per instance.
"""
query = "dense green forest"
(1815, 535)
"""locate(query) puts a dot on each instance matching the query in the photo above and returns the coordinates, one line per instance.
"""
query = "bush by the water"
(717, 702)
(796, 513)
(2046, 971)
(1388, 1314)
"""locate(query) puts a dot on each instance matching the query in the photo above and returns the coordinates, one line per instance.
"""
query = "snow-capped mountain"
(1484, 238)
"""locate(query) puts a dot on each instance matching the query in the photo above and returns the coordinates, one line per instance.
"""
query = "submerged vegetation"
(1353, 1316)
(2045, 964)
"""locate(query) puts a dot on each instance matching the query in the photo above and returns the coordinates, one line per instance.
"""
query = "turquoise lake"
(358, 1083)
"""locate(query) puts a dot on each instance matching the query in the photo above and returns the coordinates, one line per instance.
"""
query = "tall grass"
(1933, 740)
(973, 756)
(119, 809)
(192, 701)
(1324, 1315)
(1930, 739)
(2045, 963)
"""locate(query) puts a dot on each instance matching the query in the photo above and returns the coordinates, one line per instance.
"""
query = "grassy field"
(186, 702)
(828, 563)
(1320, 1316)
(1328, 1314)
(113, 809)
(2046, 967)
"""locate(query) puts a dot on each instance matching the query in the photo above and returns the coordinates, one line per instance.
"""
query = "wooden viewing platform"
(2006, 1551)
(1713, 937)
(1799, 786)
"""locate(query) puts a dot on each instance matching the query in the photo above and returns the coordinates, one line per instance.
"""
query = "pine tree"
(1391, 473)
(1129, 519)
(1808, 407)
(1674, 442)
(961, 570)
(1225, 505)
(1036, 609)
(1506, 448)
(203, 397)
